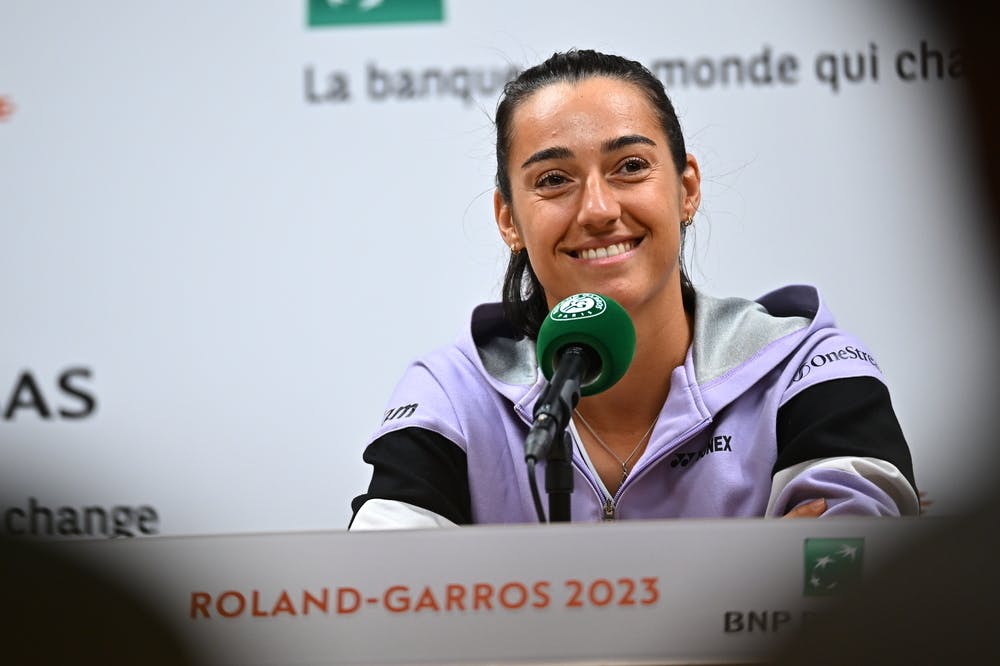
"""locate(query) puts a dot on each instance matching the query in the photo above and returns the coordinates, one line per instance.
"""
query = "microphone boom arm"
(555, 408)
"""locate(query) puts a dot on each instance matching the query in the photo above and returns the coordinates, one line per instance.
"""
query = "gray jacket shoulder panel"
(729, 331)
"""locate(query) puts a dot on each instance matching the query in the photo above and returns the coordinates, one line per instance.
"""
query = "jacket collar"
(736, 341)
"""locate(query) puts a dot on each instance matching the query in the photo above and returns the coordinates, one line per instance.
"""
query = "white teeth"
(609, 251)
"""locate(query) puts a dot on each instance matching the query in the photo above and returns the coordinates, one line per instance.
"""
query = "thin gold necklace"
(623, 463)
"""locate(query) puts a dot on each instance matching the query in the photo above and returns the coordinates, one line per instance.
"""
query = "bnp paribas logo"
(354, 12)
(832, 566)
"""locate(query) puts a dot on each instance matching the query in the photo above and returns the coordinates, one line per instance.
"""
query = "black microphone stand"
(548, 437)
(559, 479)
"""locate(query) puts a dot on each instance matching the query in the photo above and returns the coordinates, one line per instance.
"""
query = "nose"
(599, 206)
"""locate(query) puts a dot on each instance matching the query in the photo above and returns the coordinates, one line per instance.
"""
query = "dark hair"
(523, 296)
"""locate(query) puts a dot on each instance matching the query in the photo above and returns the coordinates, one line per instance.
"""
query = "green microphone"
(584, 346)
(595, 323)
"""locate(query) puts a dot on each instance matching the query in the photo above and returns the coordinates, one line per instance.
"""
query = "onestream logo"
(355, 12)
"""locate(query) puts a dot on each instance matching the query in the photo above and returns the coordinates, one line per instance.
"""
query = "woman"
(729, 407)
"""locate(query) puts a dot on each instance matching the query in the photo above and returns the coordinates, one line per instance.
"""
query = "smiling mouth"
(612, 250)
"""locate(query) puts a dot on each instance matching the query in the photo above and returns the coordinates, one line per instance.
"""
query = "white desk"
(623, 593)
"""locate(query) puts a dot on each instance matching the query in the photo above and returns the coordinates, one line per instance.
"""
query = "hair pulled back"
(523, 296)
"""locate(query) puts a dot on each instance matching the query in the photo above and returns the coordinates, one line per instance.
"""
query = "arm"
(839, 440)
(419, 479)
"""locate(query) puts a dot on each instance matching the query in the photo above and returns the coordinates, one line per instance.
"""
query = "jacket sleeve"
(419, 479)
(418, 452)
(840, 440)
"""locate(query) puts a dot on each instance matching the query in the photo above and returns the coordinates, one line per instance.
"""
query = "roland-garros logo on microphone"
(579, 306)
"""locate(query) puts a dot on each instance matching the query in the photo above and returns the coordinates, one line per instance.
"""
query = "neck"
(663, 335)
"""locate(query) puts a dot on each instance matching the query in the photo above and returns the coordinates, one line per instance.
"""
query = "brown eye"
(633, 165)
(551, 179)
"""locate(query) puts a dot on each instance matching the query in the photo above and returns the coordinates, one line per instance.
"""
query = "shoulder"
(487, 350)
(734, 333)
(788, 336)
(825, 351)
(446, 389)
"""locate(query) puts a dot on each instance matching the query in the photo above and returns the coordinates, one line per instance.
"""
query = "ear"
(691, 185)
(505, 221)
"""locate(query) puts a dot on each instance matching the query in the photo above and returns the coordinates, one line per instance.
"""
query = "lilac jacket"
(714, 451)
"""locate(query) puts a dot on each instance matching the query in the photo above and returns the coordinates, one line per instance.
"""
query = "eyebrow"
(609, 146)
(553, 153)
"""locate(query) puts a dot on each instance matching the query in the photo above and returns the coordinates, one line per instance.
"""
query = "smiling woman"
(595, 192)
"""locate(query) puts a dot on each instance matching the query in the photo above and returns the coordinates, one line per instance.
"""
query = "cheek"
(540, 224)
(663, 216)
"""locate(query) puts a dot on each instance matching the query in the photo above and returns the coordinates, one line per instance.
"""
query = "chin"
(634, 300)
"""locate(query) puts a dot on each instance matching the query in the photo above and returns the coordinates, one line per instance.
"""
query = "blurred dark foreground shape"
(937, 602)
(60, 611)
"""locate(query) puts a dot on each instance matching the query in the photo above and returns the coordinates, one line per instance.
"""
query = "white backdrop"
(235, 269)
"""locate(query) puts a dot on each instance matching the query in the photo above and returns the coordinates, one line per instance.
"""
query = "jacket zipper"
(610, 504)
(609, 509)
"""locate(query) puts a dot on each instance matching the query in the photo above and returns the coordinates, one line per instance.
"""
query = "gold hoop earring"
(688, 222)
(514, 249)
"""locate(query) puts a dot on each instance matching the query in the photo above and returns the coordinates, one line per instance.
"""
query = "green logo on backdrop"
(354, 12)
(833, 566)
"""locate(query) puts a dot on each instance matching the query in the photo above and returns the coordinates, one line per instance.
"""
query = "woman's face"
(595, 197)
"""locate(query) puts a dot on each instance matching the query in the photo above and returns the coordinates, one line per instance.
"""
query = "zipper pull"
(609, 509)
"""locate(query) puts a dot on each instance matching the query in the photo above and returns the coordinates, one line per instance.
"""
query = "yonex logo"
(717, 444)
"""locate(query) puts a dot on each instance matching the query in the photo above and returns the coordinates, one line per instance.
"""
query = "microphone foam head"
(596, 323)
